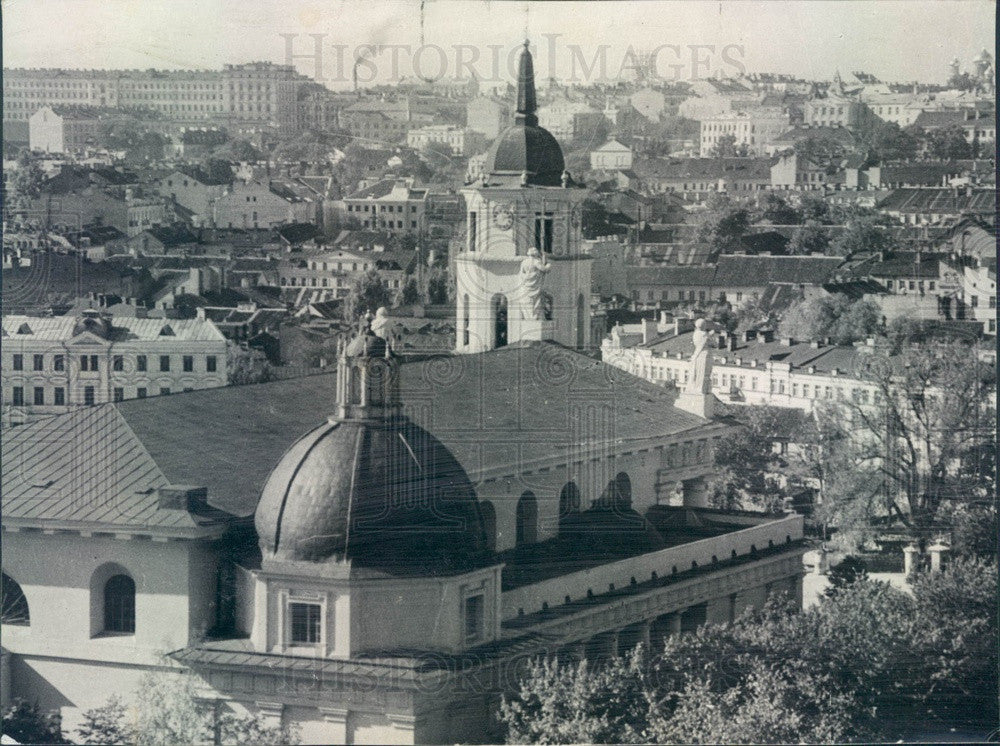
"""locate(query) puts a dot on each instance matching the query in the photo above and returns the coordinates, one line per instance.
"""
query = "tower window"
(474, 615)
(543, 232)
(119, 605)
(305, 623)
(473, 227)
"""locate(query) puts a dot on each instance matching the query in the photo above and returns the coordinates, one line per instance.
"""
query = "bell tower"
(521, 275)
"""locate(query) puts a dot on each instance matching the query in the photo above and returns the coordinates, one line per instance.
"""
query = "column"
(335, 720)
(938, 551)
(695, 493)
(910, 554)
(270, 712)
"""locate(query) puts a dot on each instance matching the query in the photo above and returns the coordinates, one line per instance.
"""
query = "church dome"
(524, 147)
(371, 486)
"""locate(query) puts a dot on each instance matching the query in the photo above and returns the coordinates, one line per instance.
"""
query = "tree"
(833, 317)
(245, 366)
(777, 210)
(368, 294)
(886, 141)
(726, 147)
(949, 143)
(439, 287)
(409, 294)
(862, 234)
(26, 723)
(237, 151)
(724, 223)
(811, 238)
(823, 150)
(911, 444)
(106, 724)
(219, 169)
(815, 208)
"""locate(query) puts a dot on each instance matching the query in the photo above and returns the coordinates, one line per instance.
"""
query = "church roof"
(499, 413)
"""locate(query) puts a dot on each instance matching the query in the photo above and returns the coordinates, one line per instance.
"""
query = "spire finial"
(526, 102)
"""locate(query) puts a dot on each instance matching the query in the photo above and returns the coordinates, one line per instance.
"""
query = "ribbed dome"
(384, 495)
(526, 149)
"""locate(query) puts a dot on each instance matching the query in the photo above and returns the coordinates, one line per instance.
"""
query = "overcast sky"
(897, 40)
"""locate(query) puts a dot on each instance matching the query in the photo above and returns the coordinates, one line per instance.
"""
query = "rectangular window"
(474, 608)
(18, 362)
(164, 390)
(88, 395)
(59, 362)
(140, 363)
(211, 363)
(89, 363)
(38, 362)
(39, 396)
(119, 394)
(305, 623)
(141, 392)
(18, 396)
(118, 363)
(164, 363)
(188, 361)
(59, 396)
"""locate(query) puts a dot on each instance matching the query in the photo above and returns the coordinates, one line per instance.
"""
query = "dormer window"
(167, 331)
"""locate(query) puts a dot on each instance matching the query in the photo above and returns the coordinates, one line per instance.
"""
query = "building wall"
(253, 205)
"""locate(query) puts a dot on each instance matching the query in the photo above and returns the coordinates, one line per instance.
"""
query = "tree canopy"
(835, 317)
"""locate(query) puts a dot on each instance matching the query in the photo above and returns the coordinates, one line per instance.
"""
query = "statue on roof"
(382, 325)
(701, 359)
(532, 279)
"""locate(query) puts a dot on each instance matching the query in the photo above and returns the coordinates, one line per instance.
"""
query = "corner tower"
(521, 275)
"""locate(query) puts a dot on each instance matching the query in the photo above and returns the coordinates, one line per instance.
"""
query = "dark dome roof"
(384, 495)
(524, 148)
(366, 344)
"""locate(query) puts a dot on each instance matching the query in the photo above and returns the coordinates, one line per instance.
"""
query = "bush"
(26, 723)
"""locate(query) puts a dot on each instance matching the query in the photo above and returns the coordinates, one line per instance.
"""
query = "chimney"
(814, 344)
(648, 330)
(765, 335)
(731, 342)
(663, 318)
(787, 341)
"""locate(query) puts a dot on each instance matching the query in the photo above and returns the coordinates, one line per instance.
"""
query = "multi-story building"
(392, 205)
(63, 129)
(698, 178)
(711, 97)
(193, 189)
(54, 364)
(979, 295)
(255, 204)
(611, 156)
(560, 115)
(752, 130)
(835, 110)
(447, 139)
(258, 92)
(334, 273)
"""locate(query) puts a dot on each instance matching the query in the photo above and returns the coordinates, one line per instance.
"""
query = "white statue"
(382, 325)
(532, 277)
(701, 359)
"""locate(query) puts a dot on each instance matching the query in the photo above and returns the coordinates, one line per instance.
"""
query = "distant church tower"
(525, 201)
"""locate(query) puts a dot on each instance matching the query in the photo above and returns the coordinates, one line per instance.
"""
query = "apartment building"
(54, 364)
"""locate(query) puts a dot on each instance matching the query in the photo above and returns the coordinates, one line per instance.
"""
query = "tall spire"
(526, 103)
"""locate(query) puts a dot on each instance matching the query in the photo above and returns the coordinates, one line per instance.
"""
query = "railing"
(696, 554)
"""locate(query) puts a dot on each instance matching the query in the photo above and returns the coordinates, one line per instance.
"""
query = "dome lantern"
(367, 377)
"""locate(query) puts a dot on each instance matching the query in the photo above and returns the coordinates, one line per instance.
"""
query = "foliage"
(776, 210)
(834, 317)
(851, 570)
(245, 366)
(167, 710)
(845, 669)
(886, 141)
(106, 724)
(726, 147)
(861, 235)
(409, 294)
(906, 451)
(949, 142)
(811, 238)
(368, 294)
(823, 150)
(26, 723)
(237, 151)
(439, 287)
(724, 223)
(139, 143)
(747, 461)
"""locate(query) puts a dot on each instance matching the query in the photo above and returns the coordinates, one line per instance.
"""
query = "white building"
(54, 364)
(753, 130)
(393, 205)
(62, 130)
(447, 139)
(611, 156)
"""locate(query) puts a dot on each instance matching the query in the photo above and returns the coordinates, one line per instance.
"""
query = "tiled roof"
(60, 328)
(230, 438)
(376, 190)
(172, 235)
(740, 270)
(660, 275)
(939, 201)
(902, 264)
(85, 469)
(949, 118)
(705, 168)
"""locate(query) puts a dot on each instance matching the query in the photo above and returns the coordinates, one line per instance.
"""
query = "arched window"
(527, 519)
(465, 320)
(15, 605)
(489, 514)
(581, 320)
(622, 490)
(500, 320)
(569, 502)
(119, 604)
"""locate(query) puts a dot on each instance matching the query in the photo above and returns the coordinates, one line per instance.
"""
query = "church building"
(371, 556)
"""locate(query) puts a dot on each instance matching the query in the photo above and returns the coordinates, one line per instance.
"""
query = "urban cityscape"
(631, 384)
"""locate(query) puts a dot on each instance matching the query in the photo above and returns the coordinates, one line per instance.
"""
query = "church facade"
(372, 556)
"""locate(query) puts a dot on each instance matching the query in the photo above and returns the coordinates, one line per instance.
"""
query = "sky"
(896, 40)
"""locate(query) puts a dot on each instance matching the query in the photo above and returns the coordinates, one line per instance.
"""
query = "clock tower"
(521, 275)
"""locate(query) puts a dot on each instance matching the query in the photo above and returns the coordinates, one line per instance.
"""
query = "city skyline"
(726, 37)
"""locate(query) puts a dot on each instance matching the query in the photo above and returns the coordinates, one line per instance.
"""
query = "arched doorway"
(500, 320)
(527, 519)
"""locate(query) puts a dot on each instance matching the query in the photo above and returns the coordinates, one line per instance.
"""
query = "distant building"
(447, 139)
(194, 189)
(749, 129)
(487, 115)
(698, 178)
(649, 103)
(611, 156)
(559, 115)
(393, 205)
(921, 205)
(254, 204)
(836, 111)
(63, 129)
(54, 364)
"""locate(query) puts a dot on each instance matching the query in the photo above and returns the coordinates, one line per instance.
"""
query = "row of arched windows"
(117, 604)
(617, 494)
